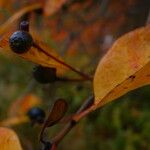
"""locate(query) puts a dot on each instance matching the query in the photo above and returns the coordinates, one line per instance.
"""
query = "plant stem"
(148, 18)
(71, 79)
(87, 104)
(63, 63)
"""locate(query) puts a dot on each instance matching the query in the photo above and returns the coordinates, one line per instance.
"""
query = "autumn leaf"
(58, 110)
(13, 121)
(5, 27)
(125, 67)
(22, 105)
(52, 6)
(35, 55)
(9, 140)
(40, 53)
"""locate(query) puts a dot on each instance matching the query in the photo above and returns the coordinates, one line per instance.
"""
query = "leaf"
(4, 27)
(125, 67)
(56, 114)
(16, 120)
(58, 111)
(23, 104)
(52, 6)
(35, 55)
(9, 140)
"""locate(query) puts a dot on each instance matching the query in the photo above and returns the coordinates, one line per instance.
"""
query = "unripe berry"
(20, 42)
(44, 74)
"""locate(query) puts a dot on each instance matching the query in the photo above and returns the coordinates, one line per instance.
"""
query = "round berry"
(20, 42)
(36, 115)
(44, 74)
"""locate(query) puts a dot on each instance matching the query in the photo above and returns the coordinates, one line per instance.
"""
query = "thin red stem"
(87, 104)
(63, 63)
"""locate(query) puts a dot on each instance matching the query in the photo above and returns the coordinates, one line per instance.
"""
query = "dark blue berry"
(36, 115)
(20, 42)
(44, 74)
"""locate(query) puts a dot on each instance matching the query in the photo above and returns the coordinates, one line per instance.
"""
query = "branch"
(87, 104)
(63, 63)
(148, 18)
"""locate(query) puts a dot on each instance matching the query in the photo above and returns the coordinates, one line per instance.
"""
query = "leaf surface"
(9, 140)
(35, 55)
(125, 67)
(58, 110)
(23, 104)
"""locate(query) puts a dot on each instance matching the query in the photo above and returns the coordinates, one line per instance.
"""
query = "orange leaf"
(4, 27)
(12, 121)
(52, 6)
(35, 55)
(125, 67)
(9, 140)
(58, 111)
(23, 104)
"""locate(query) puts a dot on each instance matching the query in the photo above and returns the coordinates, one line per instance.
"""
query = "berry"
(20, 42)
(36, 115)
(44, 74)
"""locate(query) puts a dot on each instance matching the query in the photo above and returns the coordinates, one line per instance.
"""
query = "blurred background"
(81, 31)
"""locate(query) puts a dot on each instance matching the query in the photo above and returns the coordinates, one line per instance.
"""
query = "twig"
(148, 18)
(103, 6)
(71, 79)
(63, 63)
(87, 104)
(29, 87)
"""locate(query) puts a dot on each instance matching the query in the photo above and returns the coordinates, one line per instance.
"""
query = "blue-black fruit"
(36, 115)
(20, 42)
(44, 74)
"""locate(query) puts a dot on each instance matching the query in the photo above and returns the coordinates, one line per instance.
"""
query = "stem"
(71, 79)
(63, 63)
(63, 132)
(148, 18)
(87, 104)
(104, 6)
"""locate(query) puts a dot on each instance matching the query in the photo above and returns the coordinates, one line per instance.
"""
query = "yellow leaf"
(125, 67)
(4, 27)
(9, 140)
(16, 120)
(22, 105)
(35, 55)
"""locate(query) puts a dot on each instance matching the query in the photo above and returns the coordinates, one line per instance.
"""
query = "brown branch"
(87, 104)
(148, 18)
(63, 63)
(64, 79)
